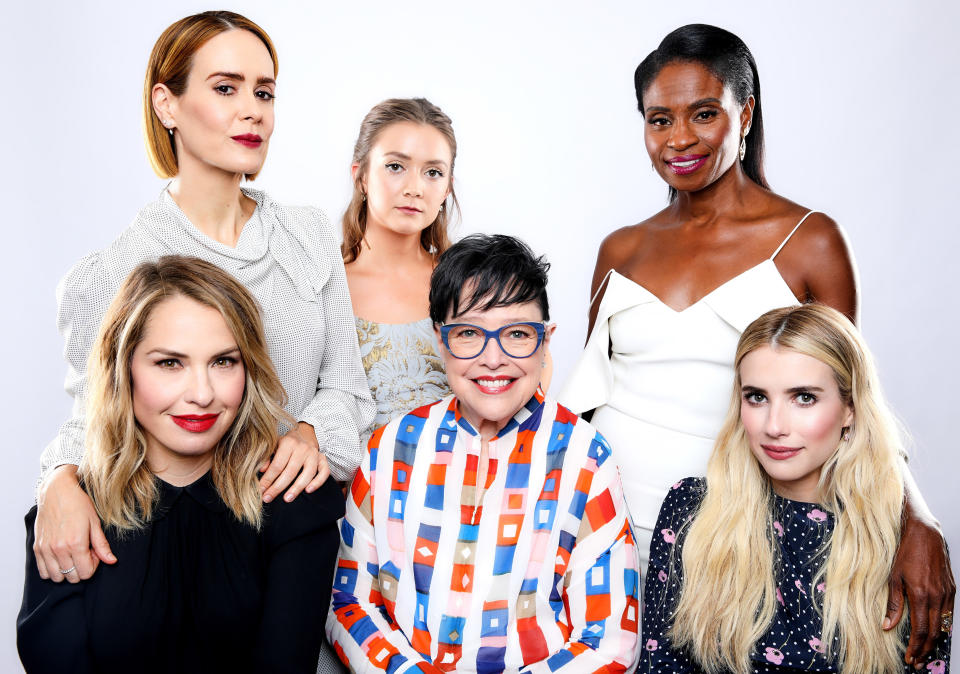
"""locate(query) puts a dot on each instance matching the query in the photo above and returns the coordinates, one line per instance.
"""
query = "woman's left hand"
(921, 570)
(297, 453)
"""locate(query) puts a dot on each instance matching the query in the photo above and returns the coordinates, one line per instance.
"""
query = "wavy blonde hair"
(169, 64)
(728, 599)
(435, 238)
(114, 470)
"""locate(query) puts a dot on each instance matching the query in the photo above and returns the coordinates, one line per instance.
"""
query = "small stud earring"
(363, 197)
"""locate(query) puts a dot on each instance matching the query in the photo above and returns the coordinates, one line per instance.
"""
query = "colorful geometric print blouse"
(542, 573)
(792, 644)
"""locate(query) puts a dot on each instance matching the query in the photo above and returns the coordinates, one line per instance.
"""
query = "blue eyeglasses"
(517, 340)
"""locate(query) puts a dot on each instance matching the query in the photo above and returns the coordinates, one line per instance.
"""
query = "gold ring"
(946, 621)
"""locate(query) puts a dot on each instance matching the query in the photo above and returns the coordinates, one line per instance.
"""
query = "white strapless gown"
(663, 391)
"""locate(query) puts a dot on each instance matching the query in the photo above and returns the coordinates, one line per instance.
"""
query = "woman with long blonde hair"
(779, 560)
(184, 406)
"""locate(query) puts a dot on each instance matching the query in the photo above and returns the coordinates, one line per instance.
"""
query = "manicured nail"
(267, 498)
(288, 498)
(886, 623)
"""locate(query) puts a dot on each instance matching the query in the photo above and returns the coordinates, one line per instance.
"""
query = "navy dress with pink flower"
(792, 644)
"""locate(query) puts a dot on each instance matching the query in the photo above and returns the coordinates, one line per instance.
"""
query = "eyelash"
(754, 398)
(229, 90)
(396, 167)
(225, 361)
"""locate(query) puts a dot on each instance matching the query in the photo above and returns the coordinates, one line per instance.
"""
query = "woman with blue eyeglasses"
(487, 531)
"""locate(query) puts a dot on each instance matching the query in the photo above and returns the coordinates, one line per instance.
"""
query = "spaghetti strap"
(792, 231)
(601, 286)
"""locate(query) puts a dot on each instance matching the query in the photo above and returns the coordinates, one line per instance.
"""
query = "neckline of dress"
(704, 297)
(205, 238)
(391, 325)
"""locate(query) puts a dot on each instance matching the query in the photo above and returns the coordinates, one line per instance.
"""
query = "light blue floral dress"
(403, 369)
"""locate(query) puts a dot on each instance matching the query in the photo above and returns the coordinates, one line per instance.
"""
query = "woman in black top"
(185, 405)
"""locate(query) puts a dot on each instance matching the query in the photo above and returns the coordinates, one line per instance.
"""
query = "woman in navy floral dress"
(781, 564)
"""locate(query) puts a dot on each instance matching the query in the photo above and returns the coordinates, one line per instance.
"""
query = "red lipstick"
(686, 164)
(195, 423)
(251, 140)
(487, 384)
(780, 453)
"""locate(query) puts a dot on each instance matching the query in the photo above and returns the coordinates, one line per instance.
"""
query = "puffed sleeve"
(51, 626)
(83, 297)
(300, 541)
(342, 408)
(665, 580)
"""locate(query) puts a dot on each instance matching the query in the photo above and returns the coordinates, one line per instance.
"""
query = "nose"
(200, 388)
(681, 136)
(777, 422)
(413, 186)
(252, 108)
(492, 355)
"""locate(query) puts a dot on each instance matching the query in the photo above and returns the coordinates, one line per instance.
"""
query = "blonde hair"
(170, 63)
(114, 470)
(435, 238)
(728, 599)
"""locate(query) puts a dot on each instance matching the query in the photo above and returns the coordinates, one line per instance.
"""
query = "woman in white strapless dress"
(672, 294)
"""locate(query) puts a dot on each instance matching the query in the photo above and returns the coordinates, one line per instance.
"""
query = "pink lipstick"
(780, 453)
(251, 140)
(195, 423)
(409, 210)
(687, 164)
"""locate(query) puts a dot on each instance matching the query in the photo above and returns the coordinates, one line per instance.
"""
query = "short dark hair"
(501, 269)
(729, 59)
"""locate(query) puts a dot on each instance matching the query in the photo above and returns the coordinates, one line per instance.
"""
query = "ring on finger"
(68, 571)
(946, 621)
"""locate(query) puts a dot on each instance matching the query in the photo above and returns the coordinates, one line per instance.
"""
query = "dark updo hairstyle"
(501, 269)
(728, 58)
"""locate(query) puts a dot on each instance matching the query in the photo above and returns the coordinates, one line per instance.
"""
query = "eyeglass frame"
(539, 326)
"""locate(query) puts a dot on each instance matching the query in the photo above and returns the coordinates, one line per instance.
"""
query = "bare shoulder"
(817, 262)
(620, 245)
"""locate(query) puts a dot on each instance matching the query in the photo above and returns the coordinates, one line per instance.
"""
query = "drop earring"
(743, 143)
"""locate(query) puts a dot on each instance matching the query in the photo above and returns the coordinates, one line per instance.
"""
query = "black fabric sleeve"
(301, 540)
(52, 624)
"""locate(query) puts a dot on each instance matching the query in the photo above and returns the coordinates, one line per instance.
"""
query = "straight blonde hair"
(728, 599)
(114, 470)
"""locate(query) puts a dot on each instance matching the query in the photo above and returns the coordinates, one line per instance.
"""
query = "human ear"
(548, 332)
(746, 115)
(354, 171)
(164, 105)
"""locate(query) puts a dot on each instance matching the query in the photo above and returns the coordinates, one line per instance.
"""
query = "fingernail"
(288, 498)
(267, 498)
(886, 623)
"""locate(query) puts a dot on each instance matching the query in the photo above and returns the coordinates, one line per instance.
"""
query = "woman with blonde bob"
(779, 560)
(185, 405)
(208, 117)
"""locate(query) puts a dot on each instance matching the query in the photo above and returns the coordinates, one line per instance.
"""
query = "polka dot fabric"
(792, 643)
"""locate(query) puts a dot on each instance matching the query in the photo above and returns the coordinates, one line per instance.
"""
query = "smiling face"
(692, 125)
(793, 416)
(493, 387)
(224, 119)
(407, 177)
(188, 383)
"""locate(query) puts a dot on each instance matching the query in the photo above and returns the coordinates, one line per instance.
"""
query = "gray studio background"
(860, 105)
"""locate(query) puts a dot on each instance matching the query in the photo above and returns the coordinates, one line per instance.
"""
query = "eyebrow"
(406, 157)
(240, 78)
(692, 106)
(794, 389)
(176, 354)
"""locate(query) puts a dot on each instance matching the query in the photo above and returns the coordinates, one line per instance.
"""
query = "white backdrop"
(860, 104)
